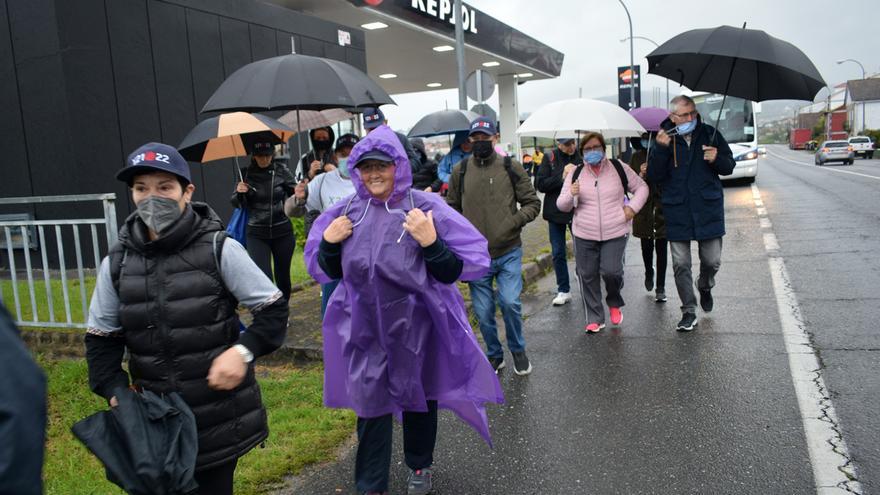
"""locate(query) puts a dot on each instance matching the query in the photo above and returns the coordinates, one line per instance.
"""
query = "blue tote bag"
(237, 227)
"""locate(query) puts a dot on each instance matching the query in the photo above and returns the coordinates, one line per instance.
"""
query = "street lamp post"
(630, 38)
(863, 77)
(459, 54)
(632, 67)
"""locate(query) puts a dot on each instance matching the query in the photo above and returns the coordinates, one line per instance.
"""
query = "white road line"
(833, 471)
(818, 168)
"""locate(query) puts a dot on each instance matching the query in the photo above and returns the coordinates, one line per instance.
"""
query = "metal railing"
(59, 227)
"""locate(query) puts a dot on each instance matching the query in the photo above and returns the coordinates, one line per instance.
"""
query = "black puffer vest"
(177, 316)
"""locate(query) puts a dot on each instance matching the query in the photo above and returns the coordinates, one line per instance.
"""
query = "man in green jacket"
(496, 195)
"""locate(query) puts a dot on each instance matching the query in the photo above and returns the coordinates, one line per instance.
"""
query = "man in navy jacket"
(686, 164)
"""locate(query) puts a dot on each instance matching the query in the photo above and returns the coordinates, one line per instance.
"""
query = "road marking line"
(833, 471)
(828, 169)
(765, 223)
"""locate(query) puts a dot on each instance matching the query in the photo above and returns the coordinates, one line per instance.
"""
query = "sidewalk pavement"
(304, 340)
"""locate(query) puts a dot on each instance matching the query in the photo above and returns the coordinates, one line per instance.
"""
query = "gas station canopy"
(410, 43)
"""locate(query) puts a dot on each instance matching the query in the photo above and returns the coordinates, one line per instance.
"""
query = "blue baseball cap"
(374, 155)
(484, 125)
(152, 157)
(565, 140)
(263, 148)
(373, 118)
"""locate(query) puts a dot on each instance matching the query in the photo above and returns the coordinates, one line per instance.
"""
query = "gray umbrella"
(442, 122)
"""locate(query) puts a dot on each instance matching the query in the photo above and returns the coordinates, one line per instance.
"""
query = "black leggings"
(216, 480)
(279, 250)
(648, 248)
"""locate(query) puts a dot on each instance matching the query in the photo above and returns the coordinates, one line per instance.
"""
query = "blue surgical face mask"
(686, 128)
(593, 157)
(343, 167)
(645, 143)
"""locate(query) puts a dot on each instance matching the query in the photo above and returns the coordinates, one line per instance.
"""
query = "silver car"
(835, 151)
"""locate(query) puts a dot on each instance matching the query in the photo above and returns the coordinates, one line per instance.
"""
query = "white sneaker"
(561, 298)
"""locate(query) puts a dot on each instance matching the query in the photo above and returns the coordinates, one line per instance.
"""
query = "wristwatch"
(246, 354)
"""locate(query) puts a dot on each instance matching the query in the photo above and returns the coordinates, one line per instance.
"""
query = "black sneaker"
(497, 363)
(419, 482)
(660, 295)
(706, 301)
(521, 364)
(687, 323)
(649, 281)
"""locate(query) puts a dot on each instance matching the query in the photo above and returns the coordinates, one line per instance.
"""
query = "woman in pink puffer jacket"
(601, 225)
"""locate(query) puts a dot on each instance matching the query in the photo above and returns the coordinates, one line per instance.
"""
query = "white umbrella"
(568, 118)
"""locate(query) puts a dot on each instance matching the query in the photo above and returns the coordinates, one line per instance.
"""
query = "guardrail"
(18, 236)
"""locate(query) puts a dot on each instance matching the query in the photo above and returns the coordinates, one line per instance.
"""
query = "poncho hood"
(385, 140)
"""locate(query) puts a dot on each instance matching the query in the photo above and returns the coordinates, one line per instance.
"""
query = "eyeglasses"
(691, 115)
(598, 147)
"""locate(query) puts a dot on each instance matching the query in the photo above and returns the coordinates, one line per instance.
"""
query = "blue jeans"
(507, 271)
(326, 291)
(560, 256)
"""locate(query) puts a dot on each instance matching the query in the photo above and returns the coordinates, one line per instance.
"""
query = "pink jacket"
(599, 214)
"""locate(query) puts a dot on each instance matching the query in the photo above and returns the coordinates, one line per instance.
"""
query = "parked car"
(835, 151)
(862, 146)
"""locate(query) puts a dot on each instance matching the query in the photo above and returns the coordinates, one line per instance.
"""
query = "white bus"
(738, 127)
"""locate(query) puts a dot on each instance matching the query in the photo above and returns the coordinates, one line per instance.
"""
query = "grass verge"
(302, 431)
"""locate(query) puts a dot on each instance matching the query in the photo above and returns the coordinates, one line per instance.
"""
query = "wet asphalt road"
(644, 409)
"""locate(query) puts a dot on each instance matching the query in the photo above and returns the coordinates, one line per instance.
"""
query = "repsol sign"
(442, 10)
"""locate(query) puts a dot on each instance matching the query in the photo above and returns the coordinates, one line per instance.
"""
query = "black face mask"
(322, 144)
(483, 149)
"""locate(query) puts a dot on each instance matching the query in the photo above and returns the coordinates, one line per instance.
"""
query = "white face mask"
(158, 213)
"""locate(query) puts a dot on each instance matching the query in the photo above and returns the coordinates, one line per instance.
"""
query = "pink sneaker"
(616, 316)
(594, 327)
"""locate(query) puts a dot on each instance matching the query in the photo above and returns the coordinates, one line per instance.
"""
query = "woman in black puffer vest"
(270, 236)
(168, 291)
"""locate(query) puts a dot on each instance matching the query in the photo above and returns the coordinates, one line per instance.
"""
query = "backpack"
(508, 166)
(620, 172)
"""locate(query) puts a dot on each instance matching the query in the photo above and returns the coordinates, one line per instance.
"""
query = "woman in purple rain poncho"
(397, 340)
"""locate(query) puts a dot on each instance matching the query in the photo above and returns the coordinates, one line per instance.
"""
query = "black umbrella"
(296, 82)
(148, 443)
(443, 122)
(747, 63)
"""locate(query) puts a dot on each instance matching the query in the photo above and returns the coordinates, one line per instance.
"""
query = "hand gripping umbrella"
(747, 63)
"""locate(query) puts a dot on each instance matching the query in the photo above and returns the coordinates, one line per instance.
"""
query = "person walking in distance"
(549, 179)
(649, 226)
(686, 165)
(496, 196)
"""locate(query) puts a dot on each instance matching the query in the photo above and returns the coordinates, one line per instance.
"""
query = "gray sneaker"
(419, 482)
(660, 296)
(521, 363)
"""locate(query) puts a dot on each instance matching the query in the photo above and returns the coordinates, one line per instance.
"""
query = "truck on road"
(798, 138)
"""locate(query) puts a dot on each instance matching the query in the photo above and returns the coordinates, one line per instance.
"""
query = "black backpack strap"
(514, 179)
(461, 172)
(622, 173)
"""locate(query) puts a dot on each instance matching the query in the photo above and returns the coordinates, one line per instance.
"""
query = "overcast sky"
(588, 32)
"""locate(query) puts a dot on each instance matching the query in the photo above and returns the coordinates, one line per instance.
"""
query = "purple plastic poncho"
(395, 337)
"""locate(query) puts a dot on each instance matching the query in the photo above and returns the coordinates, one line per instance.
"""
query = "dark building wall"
(84, 83)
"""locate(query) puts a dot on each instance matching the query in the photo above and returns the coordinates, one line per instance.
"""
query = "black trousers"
(374, 446)
(276, 252)
(217, 480)
(648, 248)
